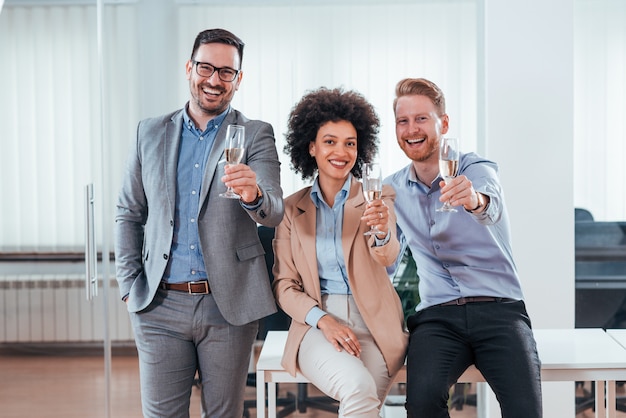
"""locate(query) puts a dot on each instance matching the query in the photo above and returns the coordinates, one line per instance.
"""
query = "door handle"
(91, 254)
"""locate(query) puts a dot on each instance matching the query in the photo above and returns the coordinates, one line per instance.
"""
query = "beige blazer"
(296, 280)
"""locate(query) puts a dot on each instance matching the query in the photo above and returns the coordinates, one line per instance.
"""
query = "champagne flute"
(448, 165)
(234, 149)
(372, 187)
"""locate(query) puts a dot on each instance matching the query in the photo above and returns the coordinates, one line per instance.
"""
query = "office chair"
(582, 215)
(280, 321)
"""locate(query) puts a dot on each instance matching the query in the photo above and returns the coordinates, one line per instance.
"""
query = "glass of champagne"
(234, 149)
(372, 187)
(448, 165)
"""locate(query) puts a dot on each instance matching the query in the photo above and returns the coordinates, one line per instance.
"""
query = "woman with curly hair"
(347, 330)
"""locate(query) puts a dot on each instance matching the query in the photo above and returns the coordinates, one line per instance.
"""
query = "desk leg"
(600, 399)
(271, 400)
(611, 409)
(260, 394)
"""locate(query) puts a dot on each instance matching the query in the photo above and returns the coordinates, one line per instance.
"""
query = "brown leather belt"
(199, 287)
(472, 299)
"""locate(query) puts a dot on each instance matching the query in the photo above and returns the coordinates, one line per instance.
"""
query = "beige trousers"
(359, 384)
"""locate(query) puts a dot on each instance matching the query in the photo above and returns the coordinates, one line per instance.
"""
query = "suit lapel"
(170, 164)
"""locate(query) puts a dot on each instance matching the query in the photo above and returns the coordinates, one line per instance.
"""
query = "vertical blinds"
(49, 103)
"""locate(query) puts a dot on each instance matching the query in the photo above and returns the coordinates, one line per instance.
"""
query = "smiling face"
(419, 128)
(210, 96)
(335, 152)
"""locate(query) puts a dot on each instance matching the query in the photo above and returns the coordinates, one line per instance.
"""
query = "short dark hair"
(220, 36)
(324, 105)
(421, 87)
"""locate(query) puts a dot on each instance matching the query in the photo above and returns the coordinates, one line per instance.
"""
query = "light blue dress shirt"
(331, 263)
(186, 263)
(329, 226)
(458, 254)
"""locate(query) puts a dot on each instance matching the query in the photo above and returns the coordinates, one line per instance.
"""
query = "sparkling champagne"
(233, 151)
(372, 194)
(448, 168)
(233, 155)
(372, 187)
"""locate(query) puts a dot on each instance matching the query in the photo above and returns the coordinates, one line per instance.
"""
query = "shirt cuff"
(314, 315)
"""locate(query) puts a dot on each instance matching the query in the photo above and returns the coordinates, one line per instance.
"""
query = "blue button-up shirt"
(186, 262)
(331, 264)
(458, 254)
(329, 226)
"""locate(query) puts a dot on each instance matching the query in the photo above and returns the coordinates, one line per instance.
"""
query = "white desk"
(566, 355)
(584, 354)
(618, 335)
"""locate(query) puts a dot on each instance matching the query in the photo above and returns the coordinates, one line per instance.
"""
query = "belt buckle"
(204, 282)
(461, 301)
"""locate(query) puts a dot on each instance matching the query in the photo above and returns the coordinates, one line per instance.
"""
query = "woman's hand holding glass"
(376, 216)
(376, 213)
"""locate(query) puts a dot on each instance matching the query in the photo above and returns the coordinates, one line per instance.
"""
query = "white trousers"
(359, 384)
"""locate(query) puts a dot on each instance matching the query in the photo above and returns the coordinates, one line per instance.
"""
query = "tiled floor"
(73, 387)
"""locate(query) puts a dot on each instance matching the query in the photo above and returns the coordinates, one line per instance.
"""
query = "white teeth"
(415, 141)
(343, 163)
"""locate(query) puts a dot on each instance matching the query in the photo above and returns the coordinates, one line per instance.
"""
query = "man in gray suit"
(189, 263)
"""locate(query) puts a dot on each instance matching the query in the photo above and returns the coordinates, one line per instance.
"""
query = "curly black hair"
(325, 105)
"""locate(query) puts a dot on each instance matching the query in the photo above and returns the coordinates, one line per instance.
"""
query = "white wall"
(529, 126)
(529, 115)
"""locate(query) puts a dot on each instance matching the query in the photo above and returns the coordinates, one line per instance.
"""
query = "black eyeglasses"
(204, 69)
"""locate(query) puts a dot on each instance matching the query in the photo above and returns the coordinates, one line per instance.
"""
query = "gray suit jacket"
(232, 251)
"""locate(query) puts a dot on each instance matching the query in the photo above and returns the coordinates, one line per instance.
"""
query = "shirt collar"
(342, 196)
(412, 179)
(412, 174)
(215, 122)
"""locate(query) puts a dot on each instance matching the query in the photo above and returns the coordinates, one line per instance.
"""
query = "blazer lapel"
(352, 212)
(304, 228)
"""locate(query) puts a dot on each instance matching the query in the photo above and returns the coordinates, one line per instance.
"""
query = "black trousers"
(495, 336)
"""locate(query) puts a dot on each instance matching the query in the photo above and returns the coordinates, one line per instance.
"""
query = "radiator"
(53, 308)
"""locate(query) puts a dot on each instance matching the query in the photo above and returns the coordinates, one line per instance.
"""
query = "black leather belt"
(199, 287)
(473, 299)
